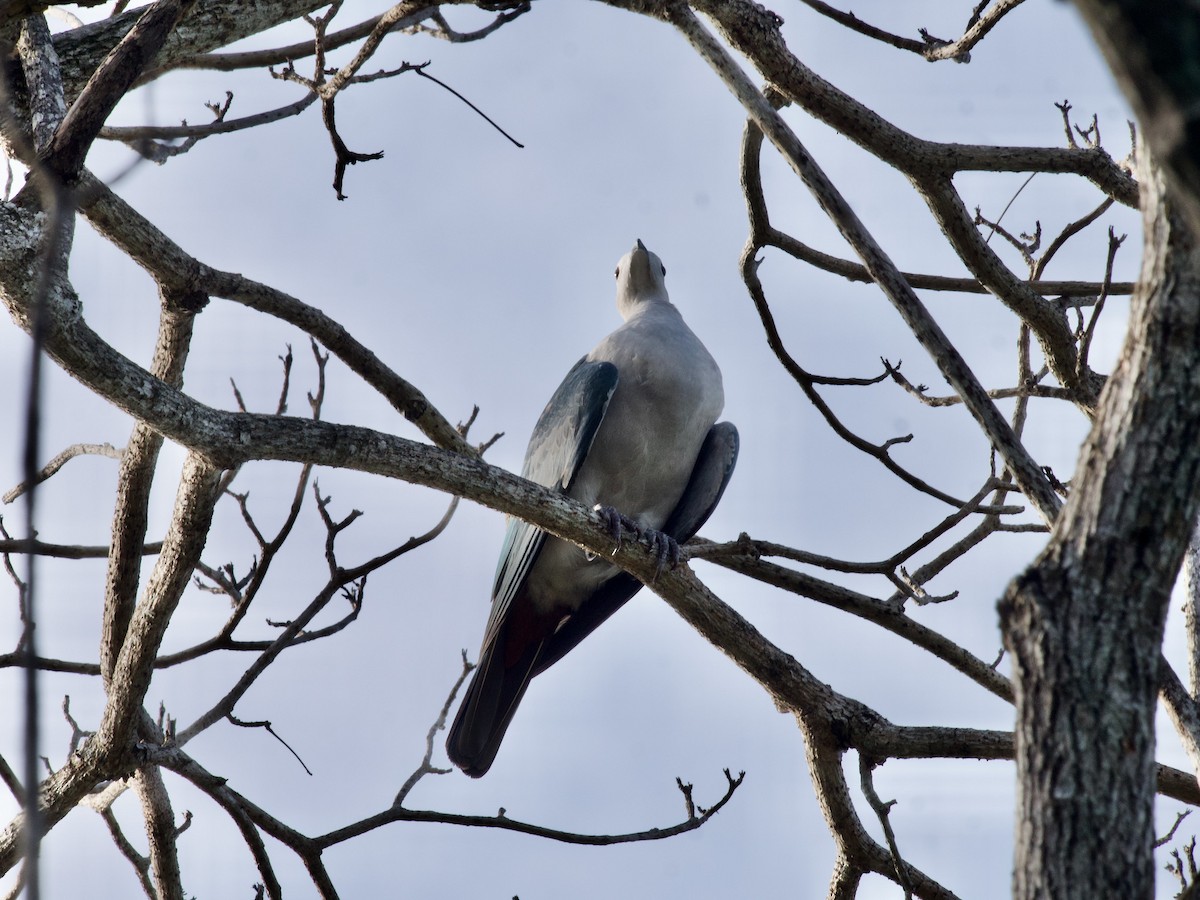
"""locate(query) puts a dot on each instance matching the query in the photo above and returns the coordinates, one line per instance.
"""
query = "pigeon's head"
(641, 277)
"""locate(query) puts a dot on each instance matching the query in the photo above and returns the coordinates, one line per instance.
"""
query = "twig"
(1011, 201)
(293, 633)
(929, 47)
(807, 382)
(11, 781)
(502, 821)
(1069, 232)
(1166, 838)
(140, 863)
(1085, 344)
(61, 460)
(882, 810)
(426, 767)
(886, 614)
(744, 545)
(485, 116)
(1187, 875)
(1025, 244)
(78, 735)
(1065, 109)
(276, 56)
(149, 140)
(1031, 389)
(271, 731)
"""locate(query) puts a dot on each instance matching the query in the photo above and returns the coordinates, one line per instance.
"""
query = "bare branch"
(255, 59)
(1166, 838)
(744, 546)
(75, 450)
(108, 84)
(929, 47)
(426, 767)
(854, 271)
(502, 821)
(135, 479)
(148, 139)
(140, 863)
(153, 250)
(309, 849)
(421, 71)
(65, 551)
(271, 731)
(953, 367)
(807, 384)
(1085, 342)
(882, 810)
(886, 614)
(294, 632)
(752, 187)
(1069, 232)
(161, 832)
(12, 781)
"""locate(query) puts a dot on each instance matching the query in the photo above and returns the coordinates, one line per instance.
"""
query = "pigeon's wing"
(710, 475)
(560, 442)
(714, 466)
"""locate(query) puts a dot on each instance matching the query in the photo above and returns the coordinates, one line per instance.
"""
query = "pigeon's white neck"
(641, 279)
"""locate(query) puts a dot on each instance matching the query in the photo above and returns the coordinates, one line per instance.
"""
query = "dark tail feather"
(488, 707)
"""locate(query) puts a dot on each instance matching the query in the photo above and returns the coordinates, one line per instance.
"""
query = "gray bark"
(1085, 622)
(1152, 50)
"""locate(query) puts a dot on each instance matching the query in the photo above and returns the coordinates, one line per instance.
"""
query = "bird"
(632, 431)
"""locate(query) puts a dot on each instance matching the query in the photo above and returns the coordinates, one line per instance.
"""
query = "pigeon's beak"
(640, 246)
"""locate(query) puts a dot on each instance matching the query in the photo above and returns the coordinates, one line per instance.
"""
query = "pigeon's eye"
(617, 272)
(664, 268)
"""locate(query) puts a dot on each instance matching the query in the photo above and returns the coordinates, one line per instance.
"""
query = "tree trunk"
(1152, 50)
(1084, 623)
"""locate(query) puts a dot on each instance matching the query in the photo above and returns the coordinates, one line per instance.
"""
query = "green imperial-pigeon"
(631, 432)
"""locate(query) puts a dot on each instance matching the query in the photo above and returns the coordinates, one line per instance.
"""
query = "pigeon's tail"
(487, 709)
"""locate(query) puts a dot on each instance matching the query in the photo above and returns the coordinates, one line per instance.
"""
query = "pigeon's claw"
(665, 550)
(617, 525)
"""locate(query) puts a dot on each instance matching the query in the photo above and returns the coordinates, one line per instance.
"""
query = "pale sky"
(481, 272)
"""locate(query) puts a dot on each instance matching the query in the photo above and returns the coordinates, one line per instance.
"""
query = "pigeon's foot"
(664, 547)
(618, 525)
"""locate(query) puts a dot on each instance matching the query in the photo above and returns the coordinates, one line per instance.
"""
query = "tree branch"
(929, 47)
(955, 369)
(108, 84)
(184, 275)
(60, 460)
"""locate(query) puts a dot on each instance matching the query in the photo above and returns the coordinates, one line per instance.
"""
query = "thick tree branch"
(186, 276)
(160, 831)
(206, 27)
(135, 479)
(110, 82)
(199, 489)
